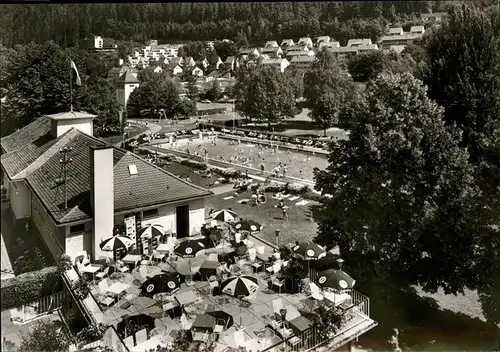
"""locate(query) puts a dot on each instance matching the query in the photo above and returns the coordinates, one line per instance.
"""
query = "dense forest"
(245, 22)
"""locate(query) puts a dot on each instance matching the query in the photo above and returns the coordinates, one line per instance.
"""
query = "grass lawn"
(185, 171)
(297, 228)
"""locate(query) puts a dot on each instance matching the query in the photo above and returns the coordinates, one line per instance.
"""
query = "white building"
(358, 42)
(279, 64)
(125, 86)
(105, 185)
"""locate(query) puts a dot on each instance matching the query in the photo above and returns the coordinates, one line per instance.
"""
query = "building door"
(182, 217)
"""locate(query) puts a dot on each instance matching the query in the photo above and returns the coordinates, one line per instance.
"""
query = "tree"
(366, 66)
(187, 108)
(406, 181)
(197, 50)
(464, 76)
(264, 94)
(213, 92)
(46, 336)
(225, 49)
(327, 89)
(157, 94)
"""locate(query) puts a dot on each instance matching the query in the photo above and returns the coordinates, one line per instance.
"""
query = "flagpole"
(70, 86)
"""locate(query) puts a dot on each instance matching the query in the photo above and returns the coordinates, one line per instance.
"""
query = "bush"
(254, 187)
(296, 188)
(312, 196)
(194, 163)
(29, 287)
(170, 157)
(274, 186)
(230, 172)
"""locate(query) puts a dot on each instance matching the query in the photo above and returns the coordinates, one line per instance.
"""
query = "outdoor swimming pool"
(299, 164)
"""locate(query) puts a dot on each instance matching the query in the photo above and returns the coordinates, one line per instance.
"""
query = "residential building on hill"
(322, 39)
(390, 40)
(306, 41)
(279, 64)
(271, 44)
(436, 17)
(395, 31)
(302, 63)
(287, 43)
(417, 30)
(333, 44)
(101, 188)
(273, 52)
(358, 42)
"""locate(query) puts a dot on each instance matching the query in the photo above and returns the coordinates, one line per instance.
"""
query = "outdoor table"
(186, 297)
(131, 258)
(209, 268)
(164, 247)
(117, 288)
(300, 324)
(91, 269)
(204, 322)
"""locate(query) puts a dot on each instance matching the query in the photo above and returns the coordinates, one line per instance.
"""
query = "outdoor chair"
(141, 336)
(103, 273)
(277, 282)
(129, 342)
(213, 257)
(185, 323)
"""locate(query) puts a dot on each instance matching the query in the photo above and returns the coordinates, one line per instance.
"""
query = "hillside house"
(395, 31)
(271, 44)
(272, 52)
(105, 186)
(232, 63)
(279, 64)
(358, 42)
(343, 52)
(196, 71)
(125, 85)
(287, 43)
(176, 61)
(306, 41)
(244, 54)
(215, 62)
(158, 69)
(406, 39)
(189, 62)
(328, 45)
(176, 70)
(417, 30)
(322, 39)
(302, 63)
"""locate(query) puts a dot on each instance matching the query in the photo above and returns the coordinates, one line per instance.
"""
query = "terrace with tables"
(223, 290)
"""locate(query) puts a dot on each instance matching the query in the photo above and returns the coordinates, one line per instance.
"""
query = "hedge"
(194, 163)
(29, 287)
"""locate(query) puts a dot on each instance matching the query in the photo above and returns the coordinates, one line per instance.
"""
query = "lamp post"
(340, 262)
(277, 232)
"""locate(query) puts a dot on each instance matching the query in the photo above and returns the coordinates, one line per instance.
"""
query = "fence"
(40, 307)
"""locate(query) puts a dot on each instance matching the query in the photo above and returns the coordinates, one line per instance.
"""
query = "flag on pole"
(78, 80)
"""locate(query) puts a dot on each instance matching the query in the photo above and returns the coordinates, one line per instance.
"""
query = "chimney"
(102, 195)
(64, 121)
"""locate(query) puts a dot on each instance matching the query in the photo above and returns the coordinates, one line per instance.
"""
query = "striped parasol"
(240, 286)
(116, 242)
(224, 215)
(151, 231)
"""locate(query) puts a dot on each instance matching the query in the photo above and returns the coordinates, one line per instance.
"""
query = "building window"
(131, 85)
(150, 213)
(77, 228)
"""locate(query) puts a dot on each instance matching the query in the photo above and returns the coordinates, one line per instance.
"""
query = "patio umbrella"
(240, 286)
(164, 282)
(116, 242)
(336, 279)
(151, 231)
(309, 251)
(222, 315)
(142, 302)
(224, 215)
(189, 249)
(248, 225)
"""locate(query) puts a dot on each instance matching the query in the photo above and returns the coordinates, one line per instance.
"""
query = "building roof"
(128, 77)
(247, 51)
(395, 30)
(343, 49)
(398, 48)
(38, 155)
(299, 53)
(296, 59)
(298, 47)
(288, 42)
(271, 49)
(406, 36)
(417, 29)
(273, 61)
(367, 47)
(304, 39)
(230, 59)
(364, 41)
(323, 38)
(272, 43)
